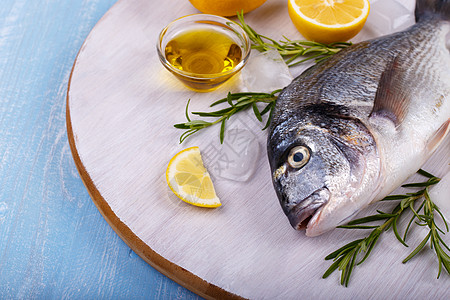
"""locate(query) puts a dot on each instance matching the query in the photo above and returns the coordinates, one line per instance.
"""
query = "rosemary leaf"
(343, 267)
(357, 226)
(222, 131)
(269, 119)
(376, 217)
(397, 235)
(350, 269)
(256, 112)
(230, 100)
(395, 197)
(186, 134)
(418, 248)
(266, 109)
(424, 173)
(410, 221)
(429, 182)
(182, 126)
(217, 113)
(443, 243)
(244, 101)
(186, 112)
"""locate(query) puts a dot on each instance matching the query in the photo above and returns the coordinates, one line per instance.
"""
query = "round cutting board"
(121, 107)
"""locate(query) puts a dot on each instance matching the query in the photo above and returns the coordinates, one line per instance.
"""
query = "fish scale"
(368, 118)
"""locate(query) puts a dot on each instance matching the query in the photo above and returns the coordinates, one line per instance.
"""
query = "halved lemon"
(329, 21)
(189, 180)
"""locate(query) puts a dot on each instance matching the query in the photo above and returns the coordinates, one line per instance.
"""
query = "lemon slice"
(329, 21)
(189, 179)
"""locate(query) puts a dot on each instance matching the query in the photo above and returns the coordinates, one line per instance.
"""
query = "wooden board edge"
(171, 270)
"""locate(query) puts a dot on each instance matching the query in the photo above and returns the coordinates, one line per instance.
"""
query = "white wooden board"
(121, 107)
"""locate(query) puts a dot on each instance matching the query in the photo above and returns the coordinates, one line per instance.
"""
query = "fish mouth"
(300, 215)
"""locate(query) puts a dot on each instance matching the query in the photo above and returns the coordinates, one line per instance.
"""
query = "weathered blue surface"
(53, 241)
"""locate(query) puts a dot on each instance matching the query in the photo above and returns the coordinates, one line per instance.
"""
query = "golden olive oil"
(203, 51)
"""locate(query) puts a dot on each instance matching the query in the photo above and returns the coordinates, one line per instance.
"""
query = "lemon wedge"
(328, 21)
(189, 180)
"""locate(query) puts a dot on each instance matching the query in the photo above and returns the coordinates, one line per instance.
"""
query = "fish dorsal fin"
(438, 136)
(391, 101)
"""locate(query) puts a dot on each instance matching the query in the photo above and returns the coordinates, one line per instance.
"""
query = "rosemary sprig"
(294, 52)
(236, 102)
(345, 258)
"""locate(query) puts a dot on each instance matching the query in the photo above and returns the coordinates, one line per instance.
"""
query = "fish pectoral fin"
(438, 136)
(391, 101)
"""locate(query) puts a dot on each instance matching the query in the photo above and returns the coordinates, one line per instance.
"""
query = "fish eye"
(298, 157)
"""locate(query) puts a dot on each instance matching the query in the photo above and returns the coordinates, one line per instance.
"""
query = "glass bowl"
(203, 51)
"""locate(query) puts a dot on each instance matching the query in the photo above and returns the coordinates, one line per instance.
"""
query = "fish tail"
(434, 8)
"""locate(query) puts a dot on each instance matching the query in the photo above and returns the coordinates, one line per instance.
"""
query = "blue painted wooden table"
(53, 241)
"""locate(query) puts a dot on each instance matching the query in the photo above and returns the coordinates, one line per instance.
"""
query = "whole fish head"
(322, 163)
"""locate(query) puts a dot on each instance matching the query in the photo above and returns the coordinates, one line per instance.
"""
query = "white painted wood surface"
(122, 104)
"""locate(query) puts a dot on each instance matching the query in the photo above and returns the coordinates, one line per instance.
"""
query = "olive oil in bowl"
(203, 51)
